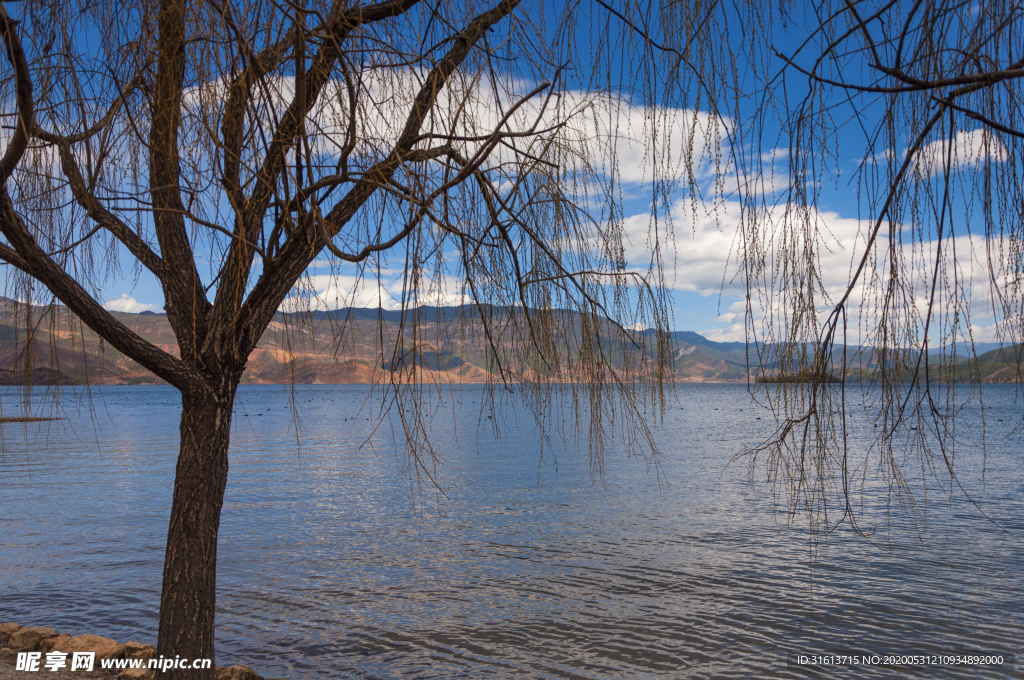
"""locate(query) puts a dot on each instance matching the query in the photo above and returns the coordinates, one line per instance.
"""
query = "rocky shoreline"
(14, 639)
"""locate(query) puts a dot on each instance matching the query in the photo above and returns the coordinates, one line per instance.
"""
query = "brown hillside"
(309, 351)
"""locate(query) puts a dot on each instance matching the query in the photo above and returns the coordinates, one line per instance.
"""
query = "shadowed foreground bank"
(15, 639)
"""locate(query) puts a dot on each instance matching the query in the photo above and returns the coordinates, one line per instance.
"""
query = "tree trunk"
(188, 599)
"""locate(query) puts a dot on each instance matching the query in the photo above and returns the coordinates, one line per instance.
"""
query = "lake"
(335, 563)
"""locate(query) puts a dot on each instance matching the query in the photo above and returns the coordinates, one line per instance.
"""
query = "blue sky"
(702, 265)
(702, 250)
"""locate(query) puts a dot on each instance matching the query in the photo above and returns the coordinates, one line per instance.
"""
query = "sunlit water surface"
(333, 563)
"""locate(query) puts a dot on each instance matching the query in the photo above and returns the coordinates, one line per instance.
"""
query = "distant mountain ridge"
(434, 314)
(698, 340)
(450, 346)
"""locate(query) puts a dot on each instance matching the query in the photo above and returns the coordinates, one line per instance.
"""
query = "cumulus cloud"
(335, 291)
(595, 132)
(703, 253)
(880, 158)
(128, 304)
(605, 135)
(696, 252)
(638, 143)
(734, 319)
(968, 149)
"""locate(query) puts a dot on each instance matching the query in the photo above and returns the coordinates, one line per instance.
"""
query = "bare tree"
(223, 147)
(914, 108)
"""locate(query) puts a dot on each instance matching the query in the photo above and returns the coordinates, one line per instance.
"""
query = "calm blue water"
(336, 563)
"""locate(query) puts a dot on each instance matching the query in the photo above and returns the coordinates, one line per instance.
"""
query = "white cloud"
(735, 319)
(335, 291)
(637, 143)
(736, 332)
(883, 156)
(969, 149)
(600, 132)
(991, 333)
(128, 304)
(703, 252)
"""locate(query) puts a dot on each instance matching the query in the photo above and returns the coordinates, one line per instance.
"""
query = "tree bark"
(188, 598)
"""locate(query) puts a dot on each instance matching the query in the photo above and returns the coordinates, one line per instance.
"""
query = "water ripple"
(330, 568)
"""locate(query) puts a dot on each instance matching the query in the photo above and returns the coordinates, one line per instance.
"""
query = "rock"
(6, 631)
(105, 648)
(137, 650)
(237, 673)
(48, 645)
(138, 673)
(28, 639)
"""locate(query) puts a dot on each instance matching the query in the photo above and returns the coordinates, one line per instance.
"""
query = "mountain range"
(354, 345)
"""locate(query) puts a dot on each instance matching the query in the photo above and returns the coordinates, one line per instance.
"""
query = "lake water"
(333, 565)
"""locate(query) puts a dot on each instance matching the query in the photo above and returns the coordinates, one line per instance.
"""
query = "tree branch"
(296, 254)
(27, 256)
(974, 115)
(186, 303)
(97, 127)
(238, 263)
(23, 88)
(99, 214)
